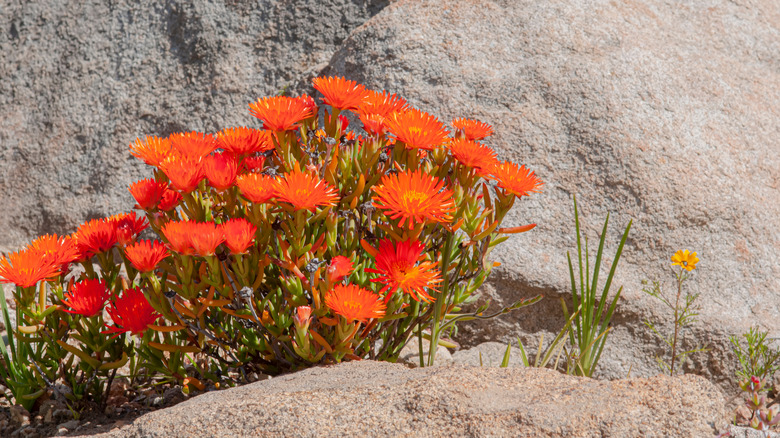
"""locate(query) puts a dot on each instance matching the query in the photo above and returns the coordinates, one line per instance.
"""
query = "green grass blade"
(610, 310)
(597, 267)
(579, 247)
(523, 356)
(505, 361)
(577, 323)
(587, 307)
(616, 260)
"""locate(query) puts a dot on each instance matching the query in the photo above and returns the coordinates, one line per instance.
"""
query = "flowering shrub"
(300, 243)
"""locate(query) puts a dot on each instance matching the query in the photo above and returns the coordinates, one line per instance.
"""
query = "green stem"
(439, 306)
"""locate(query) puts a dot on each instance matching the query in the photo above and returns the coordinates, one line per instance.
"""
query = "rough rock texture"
(667, 113)
(661, 111)
(382, 399)
(80, 80)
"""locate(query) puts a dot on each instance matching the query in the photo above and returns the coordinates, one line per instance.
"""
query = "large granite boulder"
(664, 113)
(382, 399)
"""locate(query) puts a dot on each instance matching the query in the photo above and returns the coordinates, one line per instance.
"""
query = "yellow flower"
(685, 259)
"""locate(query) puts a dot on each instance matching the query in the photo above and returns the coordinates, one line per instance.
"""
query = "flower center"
(413, 200)
(352, 305)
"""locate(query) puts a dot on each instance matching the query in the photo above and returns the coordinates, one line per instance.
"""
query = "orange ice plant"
(516, 179)
(244, 141)
(221, 170)
(185, 173)
(148, 193)
(60, 251)
(401, 266)
(354, 303)
(417, 129)
(282, 113)
(473, 154)
(415, 197)
(87, 297)
(239, 235)
(472, 129)
(131, 313)
(95, 236)
(339, 268)
(145, 254)
(206, 237)
(26, 268)
(256, 187)
(193, 146)
(178, 235)
(304, 191)
(151, 150)
(341, 93)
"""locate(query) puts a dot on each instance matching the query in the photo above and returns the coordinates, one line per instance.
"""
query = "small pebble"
(70, 425)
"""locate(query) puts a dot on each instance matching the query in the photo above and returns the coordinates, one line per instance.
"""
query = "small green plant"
(758, 359)
(590, 326)
(684, 313)
(16, 372)
(543, 355)
(763, 416)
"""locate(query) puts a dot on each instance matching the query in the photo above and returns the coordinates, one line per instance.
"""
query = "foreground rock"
(382, 399)
(664, 113)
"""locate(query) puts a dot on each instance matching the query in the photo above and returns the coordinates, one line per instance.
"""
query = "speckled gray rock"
(667, 113)
(664, 112)
(382, 399)
(744, 432)
(81, 80)
(488, 354)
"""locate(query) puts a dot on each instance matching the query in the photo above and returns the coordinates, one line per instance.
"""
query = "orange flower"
(253, 164)
(152, 150)
(472, 129)
(128, 226)
(86, 297)
(60, 251)
(382, 104)
(515, 179)
(416, 197)
(256, 187)
(185, 174)
(170, 200)
(131, 313)
(374, 124)
(417, 129)
(302, 317)
(281, 113)
(95, 236)
(397, 267)
(26, 268)
(145, 254)
(148, 193)
(354, 303)
(340, 267)
(341, 93)
(206, 237)
(304, 191)
(239, 235)
(178, 235)
(473, 154)
(221, 170)
(244, 141)
(193, 146)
